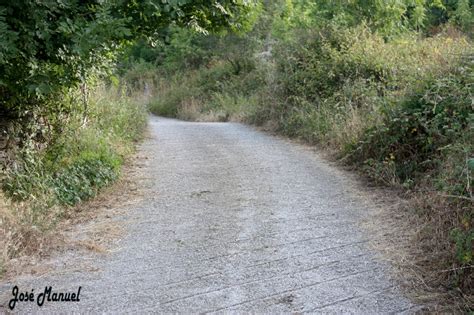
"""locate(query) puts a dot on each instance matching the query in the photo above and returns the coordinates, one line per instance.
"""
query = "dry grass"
(87, 228)
(189, 109)
(18, 234)
(6, 237)
(416, 247)
(437, 215)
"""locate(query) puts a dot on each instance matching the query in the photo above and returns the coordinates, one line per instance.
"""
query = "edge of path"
(96, 226)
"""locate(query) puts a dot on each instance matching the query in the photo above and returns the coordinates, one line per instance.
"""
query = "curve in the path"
(235, 220)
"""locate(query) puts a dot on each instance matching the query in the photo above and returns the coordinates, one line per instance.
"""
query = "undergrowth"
(400, 111)
(215, 93)
(42, 184)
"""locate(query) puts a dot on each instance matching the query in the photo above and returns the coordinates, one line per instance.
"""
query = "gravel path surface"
(234, 220)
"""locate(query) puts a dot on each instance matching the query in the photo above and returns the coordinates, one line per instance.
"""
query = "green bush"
(82, 179)
(333, 83)
(425, 144)
(426, 126)
(84, 157)
(160, 108)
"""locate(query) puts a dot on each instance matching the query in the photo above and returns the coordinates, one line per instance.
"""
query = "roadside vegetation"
(386, 88)
(44, 183)
(69, 116)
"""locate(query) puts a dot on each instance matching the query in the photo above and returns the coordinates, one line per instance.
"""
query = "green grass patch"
(85, 156)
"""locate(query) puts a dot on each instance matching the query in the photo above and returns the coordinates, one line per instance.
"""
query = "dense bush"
(84, 157)
(82, 179)
(426, 124)
(338, 81)
(425, 144)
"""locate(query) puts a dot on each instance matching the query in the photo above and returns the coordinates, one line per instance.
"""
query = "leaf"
(470, 164)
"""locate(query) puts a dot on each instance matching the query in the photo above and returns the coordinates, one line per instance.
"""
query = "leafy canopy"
(49, 46)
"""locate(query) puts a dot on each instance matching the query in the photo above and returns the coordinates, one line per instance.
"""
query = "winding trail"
(235, 220)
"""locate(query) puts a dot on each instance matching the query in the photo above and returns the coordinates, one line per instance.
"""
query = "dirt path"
(232, 220)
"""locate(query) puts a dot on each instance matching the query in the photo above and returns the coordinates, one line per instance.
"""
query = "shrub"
(344, 79)
(84, 157)
(215, 93)
(425, 144)
(82, 179)
(423, 128)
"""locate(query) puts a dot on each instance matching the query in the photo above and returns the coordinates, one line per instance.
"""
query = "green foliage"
(464, 15)
(336, 78)
(428, 124)
(386, 17)
(458, 12)
(324, 60)
(48, 47)
(80, 160)
(80, 180)
(167, 107)
(464, 241)
(463, 238)
(181, 48)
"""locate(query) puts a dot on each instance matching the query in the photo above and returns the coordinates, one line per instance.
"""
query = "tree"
(384, 16)
(50, 46)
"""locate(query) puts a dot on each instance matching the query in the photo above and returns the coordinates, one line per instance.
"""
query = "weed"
(83, 157)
